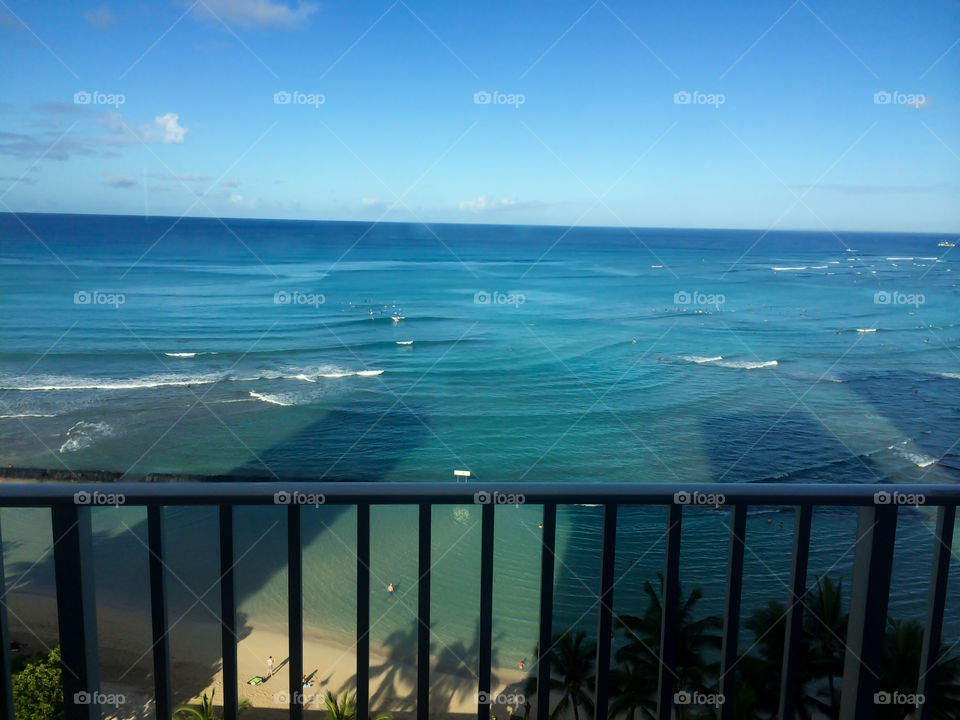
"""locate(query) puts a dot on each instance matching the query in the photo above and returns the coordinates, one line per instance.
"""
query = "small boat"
(946, 243)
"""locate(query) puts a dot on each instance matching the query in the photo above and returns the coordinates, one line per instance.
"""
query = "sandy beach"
(126, 665)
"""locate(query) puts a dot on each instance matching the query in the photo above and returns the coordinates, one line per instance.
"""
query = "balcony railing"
(876, 530)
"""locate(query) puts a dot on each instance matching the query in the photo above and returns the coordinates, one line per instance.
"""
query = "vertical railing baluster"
(423, 613)
(163, 699)
(731, 614)
(936, 603)
(793, 633)
(228, 614)
(869, 596)
(76, 610)
(295, 609)
(547, 567)
(363, 611)
(486, 609)
(605, 619)
(6, 688)
(669, 604)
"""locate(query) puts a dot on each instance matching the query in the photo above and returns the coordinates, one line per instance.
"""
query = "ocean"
(403, 352)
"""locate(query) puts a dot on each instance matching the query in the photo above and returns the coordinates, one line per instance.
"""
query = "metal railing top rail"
(25, 494)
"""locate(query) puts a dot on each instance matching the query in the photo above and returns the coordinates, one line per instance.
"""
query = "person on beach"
(390, 588)
(269, 667)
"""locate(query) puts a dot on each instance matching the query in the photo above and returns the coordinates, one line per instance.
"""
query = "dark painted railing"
(876, 530)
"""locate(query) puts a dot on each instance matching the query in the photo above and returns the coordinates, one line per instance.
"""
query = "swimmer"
(390, 588)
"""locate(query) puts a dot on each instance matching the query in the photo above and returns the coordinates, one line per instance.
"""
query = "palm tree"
(634, 689)
(571, 660)
(205, 711)
(694, 639)
(825, 628)
(346, 709)
(903, 646)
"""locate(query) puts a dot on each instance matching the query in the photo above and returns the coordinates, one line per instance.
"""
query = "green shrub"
(37, 689)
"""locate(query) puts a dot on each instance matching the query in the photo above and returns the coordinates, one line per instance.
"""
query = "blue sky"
(584, 126)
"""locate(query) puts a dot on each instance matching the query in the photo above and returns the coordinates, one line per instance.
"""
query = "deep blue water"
(402, 352)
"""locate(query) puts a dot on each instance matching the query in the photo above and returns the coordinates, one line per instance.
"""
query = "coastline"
(126, 665)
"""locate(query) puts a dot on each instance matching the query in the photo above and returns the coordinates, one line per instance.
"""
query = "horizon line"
(482, 224)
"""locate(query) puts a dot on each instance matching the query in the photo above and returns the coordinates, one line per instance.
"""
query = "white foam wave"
(747, 364)
(863, 331)
(700, 359)
(188, 354)
(273, 399)
(83, 434)
(780, 269)
(900, 258)
(952, 376)
(151, 381)
(404, 342)
(25, 415)
(917, 458)
(52, 384)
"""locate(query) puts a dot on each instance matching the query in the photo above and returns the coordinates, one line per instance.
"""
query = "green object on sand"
(256, 680)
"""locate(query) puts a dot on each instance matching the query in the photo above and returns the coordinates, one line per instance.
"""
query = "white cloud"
(257, 13)
(102, 17)
(241, 201)
(119, 181)
(184, 177)
(486, 203)
(231, 182)
(164, 129)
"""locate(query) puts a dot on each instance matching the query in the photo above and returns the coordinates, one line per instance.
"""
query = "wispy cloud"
(182, 177)
(64, 130)
(489, 203)
(879, 189)
(256, 13)
(119, 181)
(101, 17)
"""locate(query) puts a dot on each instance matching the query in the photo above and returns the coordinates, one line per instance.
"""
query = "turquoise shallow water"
(259, 347)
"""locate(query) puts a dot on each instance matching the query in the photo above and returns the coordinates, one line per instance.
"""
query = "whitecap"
(700, 359)
(863, 331)
(273, 399)
(83, 434)
(151, 381)
(747, 364)
(404, 342)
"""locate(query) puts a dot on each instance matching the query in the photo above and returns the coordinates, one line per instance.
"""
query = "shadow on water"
(363, 442)
(926, 411)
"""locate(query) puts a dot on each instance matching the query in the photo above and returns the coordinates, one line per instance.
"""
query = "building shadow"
(362, 443)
